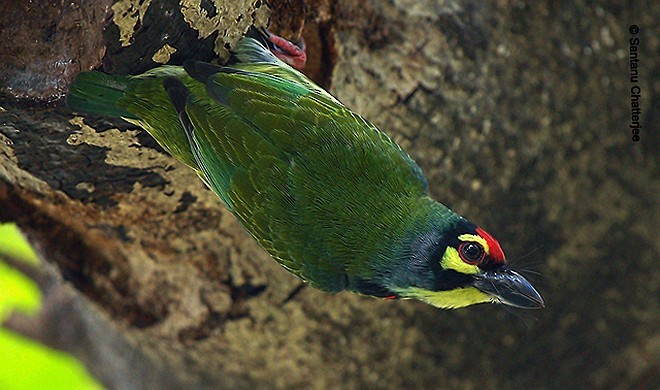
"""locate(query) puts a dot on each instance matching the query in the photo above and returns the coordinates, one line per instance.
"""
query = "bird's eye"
(471, 252)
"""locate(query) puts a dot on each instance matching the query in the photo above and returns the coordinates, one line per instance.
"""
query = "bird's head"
(463, 266)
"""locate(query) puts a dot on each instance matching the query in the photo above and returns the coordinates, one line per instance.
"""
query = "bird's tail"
(140, 100)
(99, 93)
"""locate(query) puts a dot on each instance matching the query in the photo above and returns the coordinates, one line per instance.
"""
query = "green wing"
(297, 118)
(305, 176)
(143, 101)
(147, 100)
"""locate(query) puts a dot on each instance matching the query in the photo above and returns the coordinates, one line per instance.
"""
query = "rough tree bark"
(518, 113)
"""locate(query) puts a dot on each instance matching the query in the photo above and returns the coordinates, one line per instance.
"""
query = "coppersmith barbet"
(330, 197)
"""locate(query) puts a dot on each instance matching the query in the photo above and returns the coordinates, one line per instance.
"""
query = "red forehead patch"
(495, 250)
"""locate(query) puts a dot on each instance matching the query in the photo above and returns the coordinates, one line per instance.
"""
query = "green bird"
(329, 196)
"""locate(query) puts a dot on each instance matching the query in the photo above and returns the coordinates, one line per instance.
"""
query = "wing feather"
(300, 171)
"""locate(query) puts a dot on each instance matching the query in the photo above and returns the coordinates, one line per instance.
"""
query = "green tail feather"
(99, 93)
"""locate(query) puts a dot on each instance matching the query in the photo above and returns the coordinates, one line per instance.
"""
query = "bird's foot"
(287, 51)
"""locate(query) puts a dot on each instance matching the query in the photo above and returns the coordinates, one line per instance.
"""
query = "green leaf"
(17, 293)
(13, 244)
(26, 364)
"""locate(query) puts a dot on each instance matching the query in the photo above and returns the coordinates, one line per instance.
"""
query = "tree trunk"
(518, 114)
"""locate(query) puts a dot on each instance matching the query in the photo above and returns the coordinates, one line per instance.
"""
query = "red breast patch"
(494, 247)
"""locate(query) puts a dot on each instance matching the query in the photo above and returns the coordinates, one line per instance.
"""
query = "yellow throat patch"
(451, 299)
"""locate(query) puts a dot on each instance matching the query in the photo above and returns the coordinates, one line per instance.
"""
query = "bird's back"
(318, 186)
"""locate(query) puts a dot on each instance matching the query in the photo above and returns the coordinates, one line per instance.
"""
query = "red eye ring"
(471, 252)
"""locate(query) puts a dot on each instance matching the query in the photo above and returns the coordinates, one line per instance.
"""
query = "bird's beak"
(508, 287)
